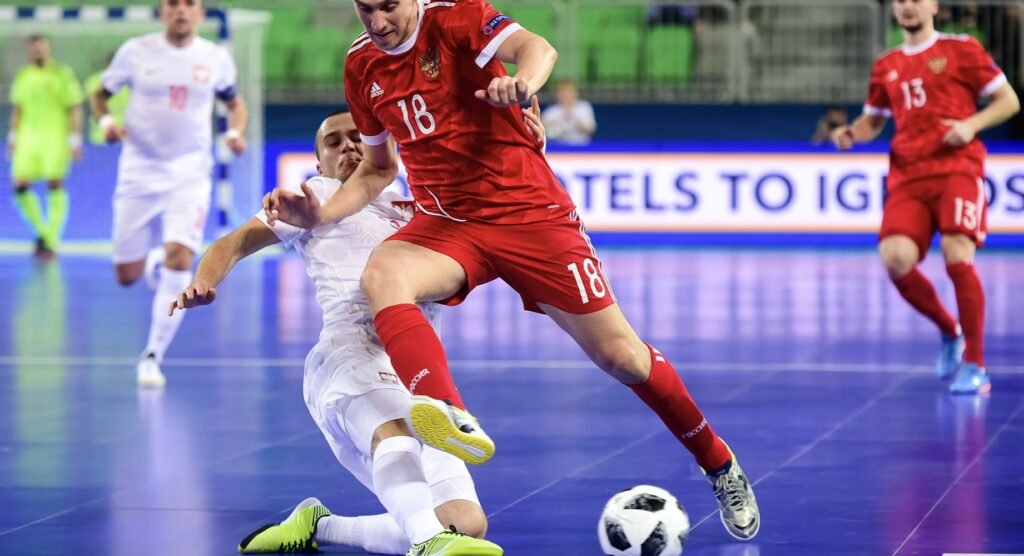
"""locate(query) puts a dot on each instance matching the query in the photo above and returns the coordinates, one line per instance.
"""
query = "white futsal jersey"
(349, 359)
(169, 115)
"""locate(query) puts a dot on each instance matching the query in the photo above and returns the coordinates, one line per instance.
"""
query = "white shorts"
(147, 219)
(348, 425)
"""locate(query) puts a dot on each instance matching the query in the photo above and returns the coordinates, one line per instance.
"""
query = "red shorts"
(953, 204)
(550, 262)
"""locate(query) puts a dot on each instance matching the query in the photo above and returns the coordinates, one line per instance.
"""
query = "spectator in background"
(570, 121)
(671, 14)
(834, 117)
(45, 134)
(117, 105)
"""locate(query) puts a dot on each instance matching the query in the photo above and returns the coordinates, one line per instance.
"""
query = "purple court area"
(806, 362)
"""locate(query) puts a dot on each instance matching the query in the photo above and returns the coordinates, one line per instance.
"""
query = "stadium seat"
(320, 56)
(286, 25)
(610, 39)
(670, 54)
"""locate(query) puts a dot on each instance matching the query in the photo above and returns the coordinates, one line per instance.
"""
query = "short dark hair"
(36, 37)
(316, 137)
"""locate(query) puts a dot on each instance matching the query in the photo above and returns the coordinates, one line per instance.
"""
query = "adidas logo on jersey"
(375, 90)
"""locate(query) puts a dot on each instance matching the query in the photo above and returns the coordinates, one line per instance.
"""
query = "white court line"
(823, 437)
(464, 364)
(616, 453)
(974, 461)
(126, 490)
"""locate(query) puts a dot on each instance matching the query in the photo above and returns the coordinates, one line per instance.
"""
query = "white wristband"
(106, 122)
(12, 136)
(75, 140)
(232, 134)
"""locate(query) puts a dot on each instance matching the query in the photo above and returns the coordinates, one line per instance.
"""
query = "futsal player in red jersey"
(428, 75)
(931, 86)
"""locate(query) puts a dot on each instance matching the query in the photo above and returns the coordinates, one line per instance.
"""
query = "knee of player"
(125, 279)
(179, 258)
(467, 518)
(377, 278)
(898, 261)
(21, 189)
(623, 359)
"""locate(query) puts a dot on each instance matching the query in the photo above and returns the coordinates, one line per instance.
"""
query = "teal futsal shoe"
(950, 356)
(971, 379)
(294, 534)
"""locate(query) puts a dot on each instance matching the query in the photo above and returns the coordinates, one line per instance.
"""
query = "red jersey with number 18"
(922, 85)
(466, 159)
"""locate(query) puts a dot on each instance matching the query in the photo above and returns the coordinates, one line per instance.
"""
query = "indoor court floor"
(807, 362)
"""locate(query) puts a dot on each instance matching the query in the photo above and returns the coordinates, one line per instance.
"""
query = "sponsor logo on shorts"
(389, 377)
(416, 379)
(493, 24)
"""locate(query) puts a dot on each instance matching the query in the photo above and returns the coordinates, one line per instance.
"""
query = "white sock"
(162, 328)
(402, 487)
(378, 534)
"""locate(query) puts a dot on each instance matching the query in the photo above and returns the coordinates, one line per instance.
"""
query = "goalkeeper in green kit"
(45, 134)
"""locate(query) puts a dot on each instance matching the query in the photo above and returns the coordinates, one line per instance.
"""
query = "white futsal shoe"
(449, 429)
(148, 374)
(736, 503)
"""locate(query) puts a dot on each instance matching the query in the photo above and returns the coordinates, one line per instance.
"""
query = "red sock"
(920, 293)
(665, 393)
(970, 299)
(416, 352)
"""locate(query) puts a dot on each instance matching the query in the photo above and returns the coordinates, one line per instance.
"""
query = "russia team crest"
(430, 63)
(937, 64)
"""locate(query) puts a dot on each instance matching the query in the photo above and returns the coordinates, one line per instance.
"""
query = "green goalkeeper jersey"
(44, 96)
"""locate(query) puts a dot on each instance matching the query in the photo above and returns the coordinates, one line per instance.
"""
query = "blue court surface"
(806, 362)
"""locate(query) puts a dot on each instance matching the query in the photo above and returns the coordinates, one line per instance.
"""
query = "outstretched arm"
(219, 260)
(376, 171)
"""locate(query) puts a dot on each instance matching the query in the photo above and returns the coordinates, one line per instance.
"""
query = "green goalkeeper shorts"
(40, 158)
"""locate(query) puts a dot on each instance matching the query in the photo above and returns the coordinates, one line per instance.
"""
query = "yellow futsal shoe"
(449, 429)
(453, 543)
(294, 534)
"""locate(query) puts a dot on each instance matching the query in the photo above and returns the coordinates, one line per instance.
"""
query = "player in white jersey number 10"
(163, 183)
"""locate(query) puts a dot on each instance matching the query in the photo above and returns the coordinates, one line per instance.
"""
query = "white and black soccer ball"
(643, 521)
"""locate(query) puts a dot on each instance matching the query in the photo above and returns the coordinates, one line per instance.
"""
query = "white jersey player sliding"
(349, 390)
(163, 180)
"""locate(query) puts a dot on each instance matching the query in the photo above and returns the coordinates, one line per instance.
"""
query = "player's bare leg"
(959, 251)
(900, 255)
(129, 273)
(398, 275)
(31, 210)
(610, 342)
(175, 277)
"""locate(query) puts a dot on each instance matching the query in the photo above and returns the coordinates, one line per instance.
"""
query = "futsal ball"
(643, 521)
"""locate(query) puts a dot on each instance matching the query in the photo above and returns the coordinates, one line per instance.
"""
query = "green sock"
(57, 210)
(31, 210)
